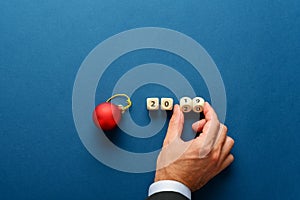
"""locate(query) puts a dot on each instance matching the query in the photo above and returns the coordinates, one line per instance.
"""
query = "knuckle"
(215, 157)
(205, 151)
(230, 140)
(166, 142)
(223, 128)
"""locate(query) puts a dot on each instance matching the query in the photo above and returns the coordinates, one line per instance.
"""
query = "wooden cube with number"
(152, 103)
(186, 104)
(198, 104)
(166, 103)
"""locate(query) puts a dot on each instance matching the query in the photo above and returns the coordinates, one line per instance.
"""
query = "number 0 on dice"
(166, 103)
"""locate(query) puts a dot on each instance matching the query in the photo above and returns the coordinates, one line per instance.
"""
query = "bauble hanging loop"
(123, 108)
(107, 115)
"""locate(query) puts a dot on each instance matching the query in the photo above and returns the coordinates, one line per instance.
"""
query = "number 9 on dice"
(198, 104)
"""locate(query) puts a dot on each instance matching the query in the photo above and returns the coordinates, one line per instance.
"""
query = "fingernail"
(206, 105)
(176, 111)
(176, 108)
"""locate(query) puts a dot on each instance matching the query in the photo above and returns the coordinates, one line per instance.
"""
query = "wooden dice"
(198, 104)
(165, 104)
(186, 104)
(152, 103)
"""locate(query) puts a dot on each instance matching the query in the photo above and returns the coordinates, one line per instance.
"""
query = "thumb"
(175, 126)
(198, 126)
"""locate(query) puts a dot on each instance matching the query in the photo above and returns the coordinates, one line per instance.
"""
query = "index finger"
(212, 122)
(211, 130)
(175, 126)
(209, 112)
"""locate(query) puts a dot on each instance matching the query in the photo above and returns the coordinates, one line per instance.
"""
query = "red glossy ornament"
(107, 116)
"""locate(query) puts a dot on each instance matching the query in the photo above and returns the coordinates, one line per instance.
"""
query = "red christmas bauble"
(107, 116)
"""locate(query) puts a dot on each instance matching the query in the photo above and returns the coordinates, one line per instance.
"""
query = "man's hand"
(195, 162)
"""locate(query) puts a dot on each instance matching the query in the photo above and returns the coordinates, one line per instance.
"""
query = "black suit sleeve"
(167, 196)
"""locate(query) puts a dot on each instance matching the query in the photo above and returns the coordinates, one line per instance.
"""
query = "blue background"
(255, 45)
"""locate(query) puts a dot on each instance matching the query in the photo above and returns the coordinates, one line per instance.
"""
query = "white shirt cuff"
(169, 186)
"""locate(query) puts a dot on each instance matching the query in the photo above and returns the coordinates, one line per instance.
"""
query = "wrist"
(165, 176)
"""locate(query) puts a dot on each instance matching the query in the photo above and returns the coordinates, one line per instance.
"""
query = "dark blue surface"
(255, 45)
